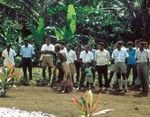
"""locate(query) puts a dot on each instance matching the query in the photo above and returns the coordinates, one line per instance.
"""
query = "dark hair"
(130, 43)
(101, 43)
(26, 40)
(136, 41)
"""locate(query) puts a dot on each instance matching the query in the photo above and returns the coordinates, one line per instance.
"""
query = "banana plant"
(65, 33)
(38, 32)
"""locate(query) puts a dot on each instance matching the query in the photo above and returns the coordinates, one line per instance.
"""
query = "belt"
(120, 62)
(142, 63)
(26, 57)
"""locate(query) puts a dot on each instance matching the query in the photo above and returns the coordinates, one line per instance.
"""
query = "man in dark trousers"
(27, 52)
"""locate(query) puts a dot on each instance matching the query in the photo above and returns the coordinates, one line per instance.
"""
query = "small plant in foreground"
(8, 74)
(88, 106)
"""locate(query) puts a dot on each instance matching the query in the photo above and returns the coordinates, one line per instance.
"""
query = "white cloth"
(142, 56)
(8, 58)
(148, 50)
(119, 55)
(46, 47)
(71, 56)
(63, 50)
(123, 48)
(86, 57)
(102, 57)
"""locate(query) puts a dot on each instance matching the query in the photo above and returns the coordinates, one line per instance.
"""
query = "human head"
(79, 45)
(8, 46)
(68, 46)
(136, 43)
(62, 44)
(47, 40)
(146, 45)
(119, 45)
(141, 45)
(101, 45)
(26, 42)
(130, 44)
(87, 47)
(57, 48)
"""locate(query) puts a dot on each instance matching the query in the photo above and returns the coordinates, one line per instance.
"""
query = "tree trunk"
(146, 20)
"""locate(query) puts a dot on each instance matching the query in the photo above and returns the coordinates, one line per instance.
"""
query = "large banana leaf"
(71, 18)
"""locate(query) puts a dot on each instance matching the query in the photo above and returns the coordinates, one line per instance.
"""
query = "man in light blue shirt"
(27, 52)
(131, 62)
(120, 56)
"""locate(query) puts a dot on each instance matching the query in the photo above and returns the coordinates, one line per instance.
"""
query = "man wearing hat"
(131, 62)
(47, 52)
(102, 58)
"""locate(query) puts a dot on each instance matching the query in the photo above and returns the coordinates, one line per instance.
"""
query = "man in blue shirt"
(131, 62)
(27, 52)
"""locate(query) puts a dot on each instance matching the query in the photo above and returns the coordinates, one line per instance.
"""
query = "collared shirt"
(27, 52)
(132, 56)
(86, 57)
(71, 56)
(102, 57)
(123, 48)
(9, 58)
(142, 56)
(119, 55)
(63, 50)
(148, 50)
(46, 47)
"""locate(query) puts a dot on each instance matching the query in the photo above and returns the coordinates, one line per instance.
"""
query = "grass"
(46, 100)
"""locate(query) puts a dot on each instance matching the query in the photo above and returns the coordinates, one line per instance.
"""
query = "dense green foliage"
(71, 20)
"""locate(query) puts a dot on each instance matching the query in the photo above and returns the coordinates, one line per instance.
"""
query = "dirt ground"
(46, 100)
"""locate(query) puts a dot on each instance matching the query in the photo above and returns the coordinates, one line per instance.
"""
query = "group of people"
(78, 67)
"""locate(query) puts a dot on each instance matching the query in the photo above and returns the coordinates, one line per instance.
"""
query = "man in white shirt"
(71, 58)
(146, 46)
(47, 56)
(102, 58)
(142, 69)
(8, 55)
(86, 57)
(120, 57)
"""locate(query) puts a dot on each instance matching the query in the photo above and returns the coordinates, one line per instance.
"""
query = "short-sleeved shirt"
(71, 56)
(142, 56)
(27, 52)
(119, 55)
(132, 56)
(102, 57)
(8, 57)
(86, 57)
